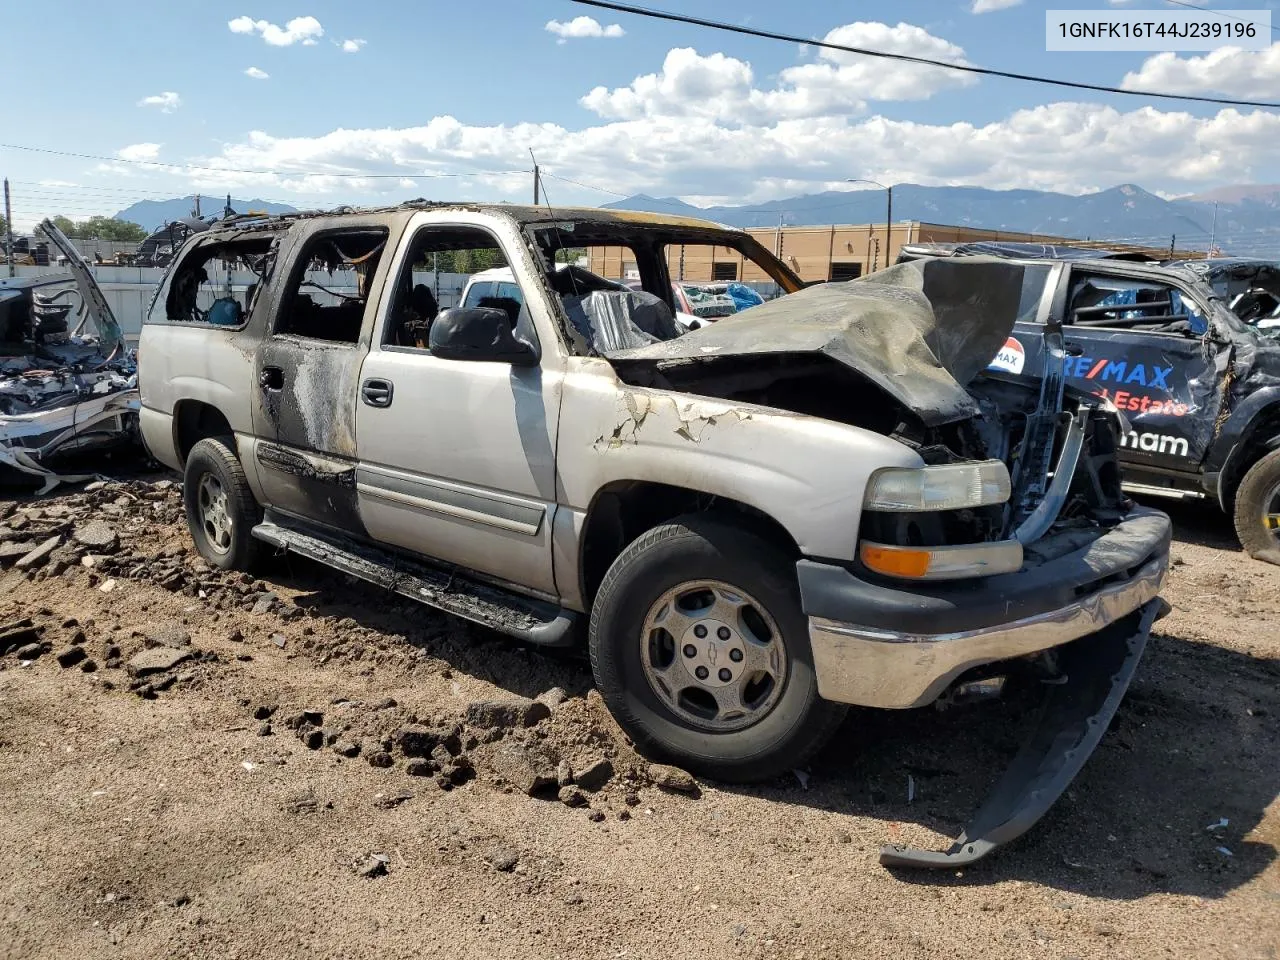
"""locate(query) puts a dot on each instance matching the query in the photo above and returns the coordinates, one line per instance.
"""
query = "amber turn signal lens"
(895, 562)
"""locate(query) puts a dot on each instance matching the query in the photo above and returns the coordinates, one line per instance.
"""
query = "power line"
(183, 167)
(1217, 13)
(907, 58)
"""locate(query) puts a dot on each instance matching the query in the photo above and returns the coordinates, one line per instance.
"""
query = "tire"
(1252, 506)
(229, 545)
(789, 724)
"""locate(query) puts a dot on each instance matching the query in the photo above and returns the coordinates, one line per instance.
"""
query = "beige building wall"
(825, 253)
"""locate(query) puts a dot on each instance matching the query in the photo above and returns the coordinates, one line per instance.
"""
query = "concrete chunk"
(157, 660)
(39, 555)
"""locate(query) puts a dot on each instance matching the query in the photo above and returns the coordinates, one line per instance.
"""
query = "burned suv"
(822, 501)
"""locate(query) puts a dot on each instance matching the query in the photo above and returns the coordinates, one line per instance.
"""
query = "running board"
(1074, 716)
(1151, 490)
(525, 618)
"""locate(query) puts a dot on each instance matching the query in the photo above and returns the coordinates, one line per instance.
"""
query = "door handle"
(271, 378)
(376, 392)
(1073, 349)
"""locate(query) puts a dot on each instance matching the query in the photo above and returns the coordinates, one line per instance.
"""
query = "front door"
(307, 374)
(457, 458)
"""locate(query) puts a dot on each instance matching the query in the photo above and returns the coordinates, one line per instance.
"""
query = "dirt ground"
(196, 812)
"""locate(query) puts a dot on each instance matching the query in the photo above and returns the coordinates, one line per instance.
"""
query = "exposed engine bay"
(62, 389)
(903, 352)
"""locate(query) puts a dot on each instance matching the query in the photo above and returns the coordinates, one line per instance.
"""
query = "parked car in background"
(826, 501)
(1186, 351)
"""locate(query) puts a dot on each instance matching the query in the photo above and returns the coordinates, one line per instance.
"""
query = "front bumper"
(884, 646)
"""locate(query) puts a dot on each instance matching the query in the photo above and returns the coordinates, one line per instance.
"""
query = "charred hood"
(919, 331)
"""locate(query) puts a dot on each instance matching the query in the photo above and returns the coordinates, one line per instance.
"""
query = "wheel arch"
(193, 421)
(623, 510)
(1246, 440)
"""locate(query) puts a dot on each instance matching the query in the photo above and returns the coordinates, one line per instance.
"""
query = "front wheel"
(1257, 509)
(701, 651)
(221, 511)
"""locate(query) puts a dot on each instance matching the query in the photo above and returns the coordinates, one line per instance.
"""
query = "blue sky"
(465, 90)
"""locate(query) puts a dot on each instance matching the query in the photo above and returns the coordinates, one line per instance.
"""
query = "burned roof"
(523, 214)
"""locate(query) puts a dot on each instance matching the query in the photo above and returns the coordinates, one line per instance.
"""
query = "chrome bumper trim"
(878, 668)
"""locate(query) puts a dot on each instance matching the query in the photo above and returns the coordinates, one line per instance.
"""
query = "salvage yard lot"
(166, 820)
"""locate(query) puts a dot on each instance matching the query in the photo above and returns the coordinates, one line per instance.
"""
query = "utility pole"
(537, 177)
(8, 226)
(888, 223)
(888, 212)
(196, 212)
(778, 252)
(1213, 231)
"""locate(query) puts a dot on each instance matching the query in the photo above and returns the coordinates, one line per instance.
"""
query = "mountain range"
(1247, 216)
(151, 214)
(1242, 219)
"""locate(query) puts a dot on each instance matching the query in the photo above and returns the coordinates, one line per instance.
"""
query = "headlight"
(949, 486)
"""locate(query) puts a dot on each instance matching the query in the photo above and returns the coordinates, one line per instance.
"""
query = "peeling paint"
(694, 418)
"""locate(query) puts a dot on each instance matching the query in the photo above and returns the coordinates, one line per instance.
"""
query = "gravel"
(161, 799)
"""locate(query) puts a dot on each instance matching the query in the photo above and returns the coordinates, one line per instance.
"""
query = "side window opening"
(218, 283)
(328, 293)
(452, 267)
(1034, 278)
(1126, 303)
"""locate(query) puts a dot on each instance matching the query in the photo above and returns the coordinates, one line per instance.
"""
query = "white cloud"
(581, 28)
(58, 183)
(1229, 70)
(304, 30)
(352, 46)
(257, 74)
(139, 151)
(1072, 147)
(986, 6)
(693, 85)
(167, 101)
(703, 127)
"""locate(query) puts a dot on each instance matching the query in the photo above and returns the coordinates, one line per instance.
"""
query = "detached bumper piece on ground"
(61, 391)
(1073, 717)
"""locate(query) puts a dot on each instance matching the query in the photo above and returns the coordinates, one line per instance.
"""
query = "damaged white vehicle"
(62, 390)
(825, 500)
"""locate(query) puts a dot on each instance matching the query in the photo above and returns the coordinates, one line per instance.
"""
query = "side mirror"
(479, 333)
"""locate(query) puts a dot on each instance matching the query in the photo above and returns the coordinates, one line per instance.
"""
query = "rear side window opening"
(328, 292)
(1134, 304)
(216, 283)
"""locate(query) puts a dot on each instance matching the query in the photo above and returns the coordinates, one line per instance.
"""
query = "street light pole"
(888, 212)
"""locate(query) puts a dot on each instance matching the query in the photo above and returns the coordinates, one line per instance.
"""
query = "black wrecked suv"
(1184, 351)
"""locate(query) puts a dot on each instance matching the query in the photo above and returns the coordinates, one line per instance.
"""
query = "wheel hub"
(215, 518)
(713, 655)
(713, 652)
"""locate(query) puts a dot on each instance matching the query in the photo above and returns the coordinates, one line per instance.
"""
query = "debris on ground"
(418, 727)
(672, 778)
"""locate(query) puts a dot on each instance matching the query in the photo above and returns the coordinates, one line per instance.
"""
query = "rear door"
(457, 458)
(307, 370)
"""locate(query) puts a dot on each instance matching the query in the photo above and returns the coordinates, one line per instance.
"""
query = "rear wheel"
(220, 507)
(701, 651)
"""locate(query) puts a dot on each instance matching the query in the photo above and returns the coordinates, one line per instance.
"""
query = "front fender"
(806, 473)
